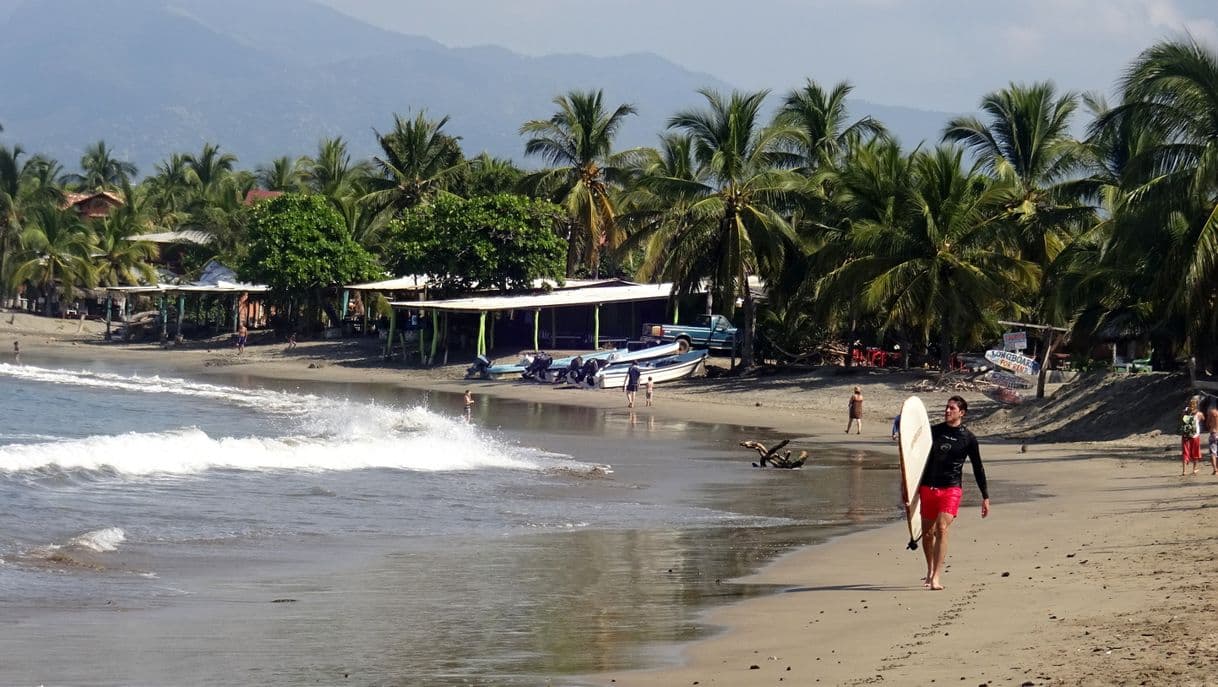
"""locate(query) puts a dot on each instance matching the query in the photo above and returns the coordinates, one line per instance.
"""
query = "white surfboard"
(915, 443)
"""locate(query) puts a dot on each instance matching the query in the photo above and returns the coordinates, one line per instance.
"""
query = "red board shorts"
(936, 500)
(1190, 449)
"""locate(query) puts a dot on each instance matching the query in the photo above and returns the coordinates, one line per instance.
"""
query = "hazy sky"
(932, 54)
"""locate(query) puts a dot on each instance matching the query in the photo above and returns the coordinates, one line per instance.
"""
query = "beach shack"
(577, 315)
(216, 280)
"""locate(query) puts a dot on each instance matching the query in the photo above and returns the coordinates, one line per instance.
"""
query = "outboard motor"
(540, 363)
(479, 368)
(592, 369)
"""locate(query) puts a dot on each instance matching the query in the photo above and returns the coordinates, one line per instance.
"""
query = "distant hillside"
(272, 77)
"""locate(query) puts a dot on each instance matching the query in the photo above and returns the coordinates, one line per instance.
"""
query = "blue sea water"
(173, 531)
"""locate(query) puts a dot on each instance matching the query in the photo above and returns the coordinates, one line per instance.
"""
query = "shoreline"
(1100, 580)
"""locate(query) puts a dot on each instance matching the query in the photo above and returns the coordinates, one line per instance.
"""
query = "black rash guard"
(945, 466)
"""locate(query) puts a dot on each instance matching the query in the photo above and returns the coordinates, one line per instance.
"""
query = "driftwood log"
(770, 457)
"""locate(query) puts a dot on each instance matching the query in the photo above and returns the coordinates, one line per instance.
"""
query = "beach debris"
(770, 457)
(283, 601)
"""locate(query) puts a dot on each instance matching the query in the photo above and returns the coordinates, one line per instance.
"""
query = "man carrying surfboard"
(941, 484)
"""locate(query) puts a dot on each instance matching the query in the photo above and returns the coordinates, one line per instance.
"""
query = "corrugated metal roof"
(555, 299)
(410, 282)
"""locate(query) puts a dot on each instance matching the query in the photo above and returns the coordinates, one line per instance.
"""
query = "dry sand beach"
(1102, 578)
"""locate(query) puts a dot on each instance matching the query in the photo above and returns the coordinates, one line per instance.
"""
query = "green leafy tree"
(502, 241)
(299, 246)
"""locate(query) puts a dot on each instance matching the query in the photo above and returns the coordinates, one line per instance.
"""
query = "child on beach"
(469, 404)
(242, 337)
(17, 352)
(650, 387)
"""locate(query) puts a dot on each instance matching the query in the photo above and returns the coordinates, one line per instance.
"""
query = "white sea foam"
(101, 540)
(266, 400)
(329, 434)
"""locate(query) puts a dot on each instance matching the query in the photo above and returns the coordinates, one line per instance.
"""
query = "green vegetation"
(1009, 216)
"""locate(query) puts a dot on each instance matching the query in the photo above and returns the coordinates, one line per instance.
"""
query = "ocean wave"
(103, 540)
(191, 451)
(263, 399)
(323, 434)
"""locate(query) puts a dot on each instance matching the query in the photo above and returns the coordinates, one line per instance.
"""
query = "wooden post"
(553, 329)
(445, 338)
(181, 310)
(482, 333)
(422, 344)
(164, 317)
(236, 313)
(490, 335)
(109, 299)
(536, 329)
(596, 327)
(392, 325)
(435, 335)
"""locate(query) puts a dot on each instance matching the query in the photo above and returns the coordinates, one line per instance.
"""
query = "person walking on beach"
(16, 352)
(242, 336)
(650, 389)
(632, 382)
(856, 411)
(941, 485)
(1190, 437)
(1211, 423)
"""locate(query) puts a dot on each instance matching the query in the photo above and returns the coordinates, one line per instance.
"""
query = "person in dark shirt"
(941, 485)
(632, 382)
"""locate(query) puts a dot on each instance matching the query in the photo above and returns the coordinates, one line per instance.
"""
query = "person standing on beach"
(632, 382)
(1190, 436)
(242, 336)
(1211, 423)
(650, 389)
(469, 404)
(16, 352)
(942, 482)
(856, 411)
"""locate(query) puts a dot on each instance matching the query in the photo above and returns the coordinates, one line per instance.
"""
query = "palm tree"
(1169, 95)
(282, 174)
(1026, 144)
(121, 258)
(732, 228)
(209, 168)
(931, 257)
(171, 191)
(101, 170)
(488, 176)
(417, 161)
(577, 143)
(331, 173)
(820, 117)
(57, 249)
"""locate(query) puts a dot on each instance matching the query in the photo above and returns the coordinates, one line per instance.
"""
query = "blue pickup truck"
(708, 331)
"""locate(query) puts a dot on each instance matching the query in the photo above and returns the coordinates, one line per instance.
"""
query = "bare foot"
(936, 587)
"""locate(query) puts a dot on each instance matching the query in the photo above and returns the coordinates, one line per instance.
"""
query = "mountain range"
(273, 77)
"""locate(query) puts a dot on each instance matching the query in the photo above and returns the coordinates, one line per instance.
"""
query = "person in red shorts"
(941, 485)
(1190, 436)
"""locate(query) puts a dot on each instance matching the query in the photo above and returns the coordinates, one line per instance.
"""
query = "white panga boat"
(663, 369)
